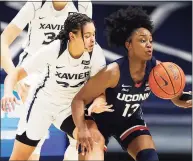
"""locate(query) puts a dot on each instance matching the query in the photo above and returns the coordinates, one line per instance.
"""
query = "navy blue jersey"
(128, 96)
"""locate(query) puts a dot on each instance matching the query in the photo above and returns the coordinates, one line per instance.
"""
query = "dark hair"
(121, 24)
(73, 23)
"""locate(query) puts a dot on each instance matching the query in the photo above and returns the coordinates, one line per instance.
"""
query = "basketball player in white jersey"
(45, 20)
(69, 68)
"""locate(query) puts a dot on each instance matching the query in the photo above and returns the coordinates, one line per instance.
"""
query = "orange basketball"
(167, 80)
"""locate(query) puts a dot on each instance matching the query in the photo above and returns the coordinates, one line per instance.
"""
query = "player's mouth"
(91, 46)
(149, 52)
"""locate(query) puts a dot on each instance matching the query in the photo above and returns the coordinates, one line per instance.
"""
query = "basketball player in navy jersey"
(125, 83)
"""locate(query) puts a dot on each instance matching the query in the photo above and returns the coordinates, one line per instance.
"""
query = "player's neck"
(73, 51)
(136, 65)
(59, 5)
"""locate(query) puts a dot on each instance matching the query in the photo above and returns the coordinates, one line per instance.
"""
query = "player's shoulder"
(56, 44)
(97, 51)
(53, 47)
(112, 70)
(97, 47)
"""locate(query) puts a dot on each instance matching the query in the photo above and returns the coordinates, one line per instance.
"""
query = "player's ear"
(71, 36)
(128, 45)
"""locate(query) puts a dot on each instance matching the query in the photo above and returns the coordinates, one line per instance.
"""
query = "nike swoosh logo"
(126, 86)
(63, 84)
(41, 17)
(78, 85)
(165, 82)
(58, 67)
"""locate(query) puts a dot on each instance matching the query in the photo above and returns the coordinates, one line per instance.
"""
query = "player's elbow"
(77, 102)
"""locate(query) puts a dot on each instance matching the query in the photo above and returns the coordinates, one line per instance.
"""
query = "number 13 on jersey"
(130, 109)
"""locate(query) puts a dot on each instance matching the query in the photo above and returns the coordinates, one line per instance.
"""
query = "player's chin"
(89, 49)
(148, 56)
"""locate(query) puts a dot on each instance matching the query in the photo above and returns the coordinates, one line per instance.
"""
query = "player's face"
(140, 45)
(89, 36)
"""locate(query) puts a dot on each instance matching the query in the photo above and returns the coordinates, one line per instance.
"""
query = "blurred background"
(171, 127)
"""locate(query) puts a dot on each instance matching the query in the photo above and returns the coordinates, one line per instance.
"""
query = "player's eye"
(86, 36)
(151, 41)
(142, 40)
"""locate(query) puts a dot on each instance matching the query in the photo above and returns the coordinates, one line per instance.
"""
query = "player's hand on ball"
(99, 107)
(84, 141)
(184, 100)
(8, 102)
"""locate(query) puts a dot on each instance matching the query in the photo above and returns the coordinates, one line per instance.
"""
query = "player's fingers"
(103, 103)
(13, 101)
(77, 145)
(109, 110)
(108, 106)
(89, 112)
(8, 106)
(3, 104)
(189, 103)
(82, 148)
(90, 140)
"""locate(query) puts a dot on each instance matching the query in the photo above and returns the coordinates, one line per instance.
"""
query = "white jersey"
(65, 75)
(44, 23)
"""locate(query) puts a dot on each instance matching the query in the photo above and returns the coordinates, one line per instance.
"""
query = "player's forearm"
(101, 98)
(10, 82)
(78, 113)
(6, 60)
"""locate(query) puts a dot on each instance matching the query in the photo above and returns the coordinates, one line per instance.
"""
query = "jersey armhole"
(43, 2)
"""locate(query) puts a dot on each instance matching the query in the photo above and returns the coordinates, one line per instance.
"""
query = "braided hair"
(121, 24)
(73, 23)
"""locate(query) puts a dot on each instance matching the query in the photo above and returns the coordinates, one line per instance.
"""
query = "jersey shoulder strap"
(43, 2)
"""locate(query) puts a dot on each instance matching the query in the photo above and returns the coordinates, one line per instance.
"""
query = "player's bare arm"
(10, 81)
(106, 78)
(7, 37)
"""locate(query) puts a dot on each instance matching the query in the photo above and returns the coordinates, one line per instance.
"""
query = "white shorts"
(39, 116)
(32, 81)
